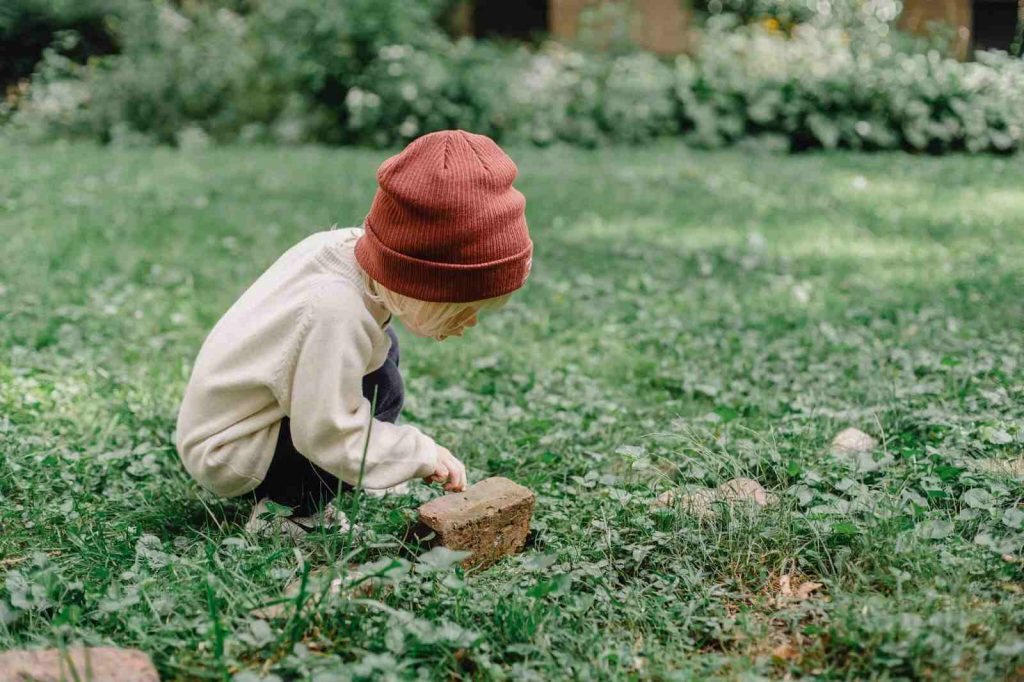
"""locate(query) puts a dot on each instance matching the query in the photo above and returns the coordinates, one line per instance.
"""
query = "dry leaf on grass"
(785, 652)
(790, 593)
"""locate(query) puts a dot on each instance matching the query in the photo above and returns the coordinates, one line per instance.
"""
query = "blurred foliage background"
(787, 74)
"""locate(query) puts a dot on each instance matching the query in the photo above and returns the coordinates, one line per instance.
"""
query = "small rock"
(701, 503)
(491, 519)
(109, 664)
(321, 583)
(745, 489)
(851, 441)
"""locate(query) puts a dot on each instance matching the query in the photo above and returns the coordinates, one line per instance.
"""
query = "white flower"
(409, 127)
(353, 98)
(173, 20)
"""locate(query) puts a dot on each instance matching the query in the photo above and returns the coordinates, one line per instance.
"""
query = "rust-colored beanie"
(446, 224)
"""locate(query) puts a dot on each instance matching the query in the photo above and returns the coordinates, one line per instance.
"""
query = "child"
(278, 404)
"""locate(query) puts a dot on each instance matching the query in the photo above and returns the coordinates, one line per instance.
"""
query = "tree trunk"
(1018, 40)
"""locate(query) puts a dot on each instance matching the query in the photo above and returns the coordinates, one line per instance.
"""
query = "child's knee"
(214, 469)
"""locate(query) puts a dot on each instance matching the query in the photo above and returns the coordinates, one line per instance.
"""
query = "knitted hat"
(446, 224)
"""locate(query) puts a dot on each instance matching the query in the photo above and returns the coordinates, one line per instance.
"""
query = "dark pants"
(296, 482)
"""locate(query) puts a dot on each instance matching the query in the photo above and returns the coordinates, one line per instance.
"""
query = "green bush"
(280, 71)
(870, 15)
(637, 102)
(379, 72)
(819, 88)
(322, 50)
(555, 94)
(404, 92)
(28, 27)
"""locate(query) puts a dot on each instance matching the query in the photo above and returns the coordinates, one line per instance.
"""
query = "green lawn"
(690, 317)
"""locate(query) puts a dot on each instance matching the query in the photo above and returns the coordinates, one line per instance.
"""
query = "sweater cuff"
(428, 453)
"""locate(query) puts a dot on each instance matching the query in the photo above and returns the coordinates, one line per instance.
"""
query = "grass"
(690, 317)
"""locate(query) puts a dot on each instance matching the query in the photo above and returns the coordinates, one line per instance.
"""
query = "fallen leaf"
(805, 589)
(785, 652)
(802, 591)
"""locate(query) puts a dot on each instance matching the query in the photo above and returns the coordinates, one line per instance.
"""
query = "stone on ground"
(321, 583)
(108, 664)
(701, 503)
(852, 441)
(491, 519)
(745, 489)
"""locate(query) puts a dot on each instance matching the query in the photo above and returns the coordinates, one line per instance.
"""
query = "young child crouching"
(279, 401)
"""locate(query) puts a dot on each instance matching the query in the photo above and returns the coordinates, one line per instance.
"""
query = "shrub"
(322, 50)
(857, 14)
(28, 27)
(280, 71)
(638, 104)
(405, 92)
(819, 88)
(379, 72)
(555, 95)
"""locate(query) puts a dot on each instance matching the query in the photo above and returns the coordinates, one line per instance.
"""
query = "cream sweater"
(297, 344)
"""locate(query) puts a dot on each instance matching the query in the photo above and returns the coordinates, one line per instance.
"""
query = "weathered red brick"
(101, 663)
(491, 519)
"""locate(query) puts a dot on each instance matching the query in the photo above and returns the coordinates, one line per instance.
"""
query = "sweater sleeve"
(330, 418)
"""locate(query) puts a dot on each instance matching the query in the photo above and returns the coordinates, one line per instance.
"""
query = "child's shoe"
(266, 523)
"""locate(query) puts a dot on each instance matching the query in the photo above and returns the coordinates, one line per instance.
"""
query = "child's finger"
(441, 472)
(459, 477)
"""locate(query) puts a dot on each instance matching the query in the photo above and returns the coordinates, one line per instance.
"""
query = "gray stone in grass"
(702, 502)
(491, 519)
(321, 583)
(106, 664)
(852, 441)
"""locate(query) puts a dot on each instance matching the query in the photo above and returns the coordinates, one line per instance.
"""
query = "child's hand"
(449, 469)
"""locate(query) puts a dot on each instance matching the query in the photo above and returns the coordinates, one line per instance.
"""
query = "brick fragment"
(109, 664)
(491, 519)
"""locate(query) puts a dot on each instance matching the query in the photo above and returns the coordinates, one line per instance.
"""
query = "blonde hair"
(428, 317)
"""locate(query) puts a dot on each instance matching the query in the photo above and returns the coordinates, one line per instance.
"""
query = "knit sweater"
(296, 344)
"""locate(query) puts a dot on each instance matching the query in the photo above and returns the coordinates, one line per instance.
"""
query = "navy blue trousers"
(293, 480)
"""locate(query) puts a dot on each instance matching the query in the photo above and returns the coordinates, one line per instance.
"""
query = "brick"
(490, 519)
(101, 663)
